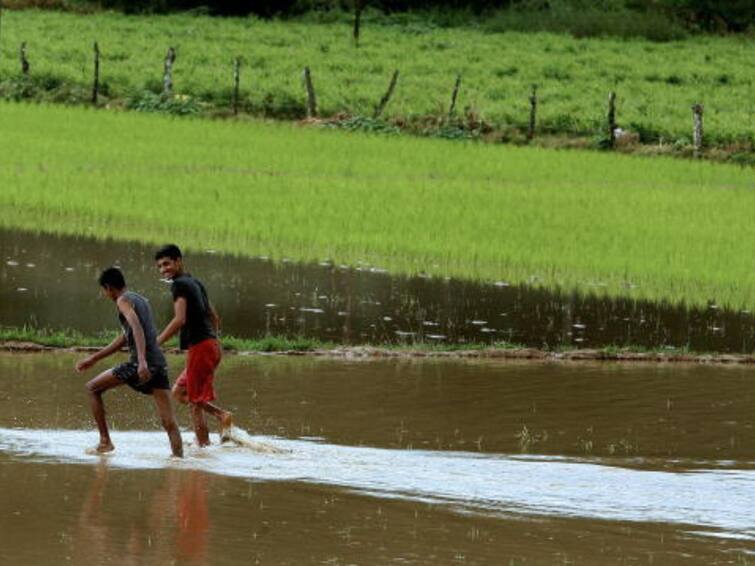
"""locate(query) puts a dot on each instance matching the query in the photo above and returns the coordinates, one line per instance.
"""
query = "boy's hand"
(143, 372)
(84, 364)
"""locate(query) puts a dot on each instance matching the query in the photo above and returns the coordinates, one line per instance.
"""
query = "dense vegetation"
(647, 17)
(646, 228)
(656, 82)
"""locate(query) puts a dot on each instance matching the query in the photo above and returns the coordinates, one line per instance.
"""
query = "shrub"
(179, 104)
(585, 19)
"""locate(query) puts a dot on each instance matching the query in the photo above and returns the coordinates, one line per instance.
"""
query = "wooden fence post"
(311, 98)
(533, 113)
(454, 94)
(612, 119)
(170, 58)
(386, 97)
(697, 133)
(358, 7)
(25, 67)
(96, 83)
(236, 79)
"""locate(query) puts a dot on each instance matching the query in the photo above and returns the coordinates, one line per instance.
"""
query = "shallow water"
(422, 462)
(50, 282)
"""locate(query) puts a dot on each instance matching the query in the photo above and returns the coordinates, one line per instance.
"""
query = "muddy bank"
(533, 354)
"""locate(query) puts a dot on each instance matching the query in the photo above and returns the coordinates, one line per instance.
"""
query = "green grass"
(656, 83)
(657, 228)
(68, 338)
(275, 344)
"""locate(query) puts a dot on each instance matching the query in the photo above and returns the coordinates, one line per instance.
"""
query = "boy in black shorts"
(145, 371)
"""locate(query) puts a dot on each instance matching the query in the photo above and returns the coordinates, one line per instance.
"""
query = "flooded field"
(50, 282)
(431, 462)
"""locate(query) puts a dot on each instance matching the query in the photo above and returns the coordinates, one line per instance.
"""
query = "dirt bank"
(362, 352)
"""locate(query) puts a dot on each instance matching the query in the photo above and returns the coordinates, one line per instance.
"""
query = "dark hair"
(112, 277)
(171, 251)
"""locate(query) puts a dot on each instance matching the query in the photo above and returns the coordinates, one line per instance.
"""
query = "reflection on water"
(49, 281)
(177, 506)
(85, 515)
(422, 462)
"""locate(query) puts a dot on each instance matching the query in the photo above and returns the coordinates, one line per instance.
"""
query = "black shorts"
(128, 374)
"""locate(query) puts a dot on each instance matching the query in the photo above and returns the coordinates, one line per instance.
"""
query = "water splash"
(717, 502)
(242, 438)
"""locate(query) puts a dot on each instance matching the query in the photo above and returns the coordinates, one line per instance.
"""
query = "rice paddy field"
(656, 82)
(657, 228)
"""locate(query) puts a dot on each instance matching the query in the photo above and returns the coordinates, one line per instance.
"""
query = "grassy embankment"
(66, 338)
(14, 338)
(656, 82)
(657, 229)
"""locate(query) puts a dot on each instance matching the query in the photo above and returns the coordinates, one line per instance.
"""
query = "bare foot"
(226, 423)
(101, 448)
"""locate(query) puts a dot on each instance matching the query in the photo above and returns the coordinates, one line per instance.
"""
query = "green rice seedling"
(656, 228)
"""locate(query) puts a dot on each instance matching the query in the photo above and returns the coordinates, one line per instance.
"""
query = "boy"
(198, 324)
(146, 370)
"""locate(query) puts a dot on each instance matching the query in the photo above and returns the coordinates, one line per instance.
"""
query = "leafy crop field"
(654, 228)
(656, 82)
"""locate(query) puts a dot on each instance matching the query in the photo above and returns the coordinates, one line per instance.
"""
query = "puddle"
(410, 461)
(50, 282)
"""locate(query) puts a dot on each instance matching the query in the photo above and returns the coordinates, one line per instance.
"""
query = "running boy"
(198, 324)
(146, 371)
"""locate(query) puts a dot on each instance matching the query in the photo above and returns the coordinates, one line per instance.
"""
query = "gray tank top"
(143, 311)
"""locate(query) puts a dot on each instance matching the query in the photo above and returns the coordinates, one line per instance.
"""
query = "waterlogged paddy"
(432, 462)
(658, 229)
(46, 281)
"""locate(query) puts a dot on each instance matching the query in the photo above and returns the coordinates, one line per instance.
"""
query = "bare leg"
(179, 394)
(225, 418)
(168, 420)
(200, 425)
(201, 430)
(96, 387)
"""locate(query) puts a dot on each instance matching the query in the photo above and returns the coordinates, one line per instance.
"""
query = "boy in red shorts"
(198, 324)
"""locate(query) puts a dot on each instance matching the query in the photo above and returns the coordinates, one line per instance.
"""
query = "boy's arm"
(108, 350)
(215, 317)
(179, 319)
(128, 312)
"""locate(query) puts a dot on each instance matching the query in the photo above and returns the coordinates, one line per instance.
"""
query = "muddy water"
(432, 462)
(48, 281)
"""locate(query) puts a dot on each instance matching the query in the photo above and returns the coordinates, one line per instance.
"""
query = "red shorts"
(201, 361)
